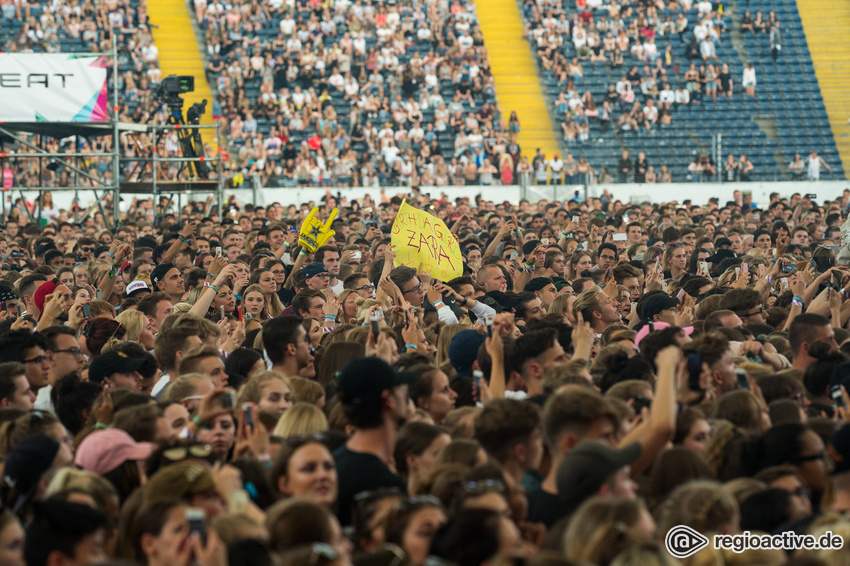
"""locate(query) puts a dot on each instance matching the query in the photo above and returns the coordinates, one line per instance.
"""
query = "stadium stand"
(355, 94)
(576, 49)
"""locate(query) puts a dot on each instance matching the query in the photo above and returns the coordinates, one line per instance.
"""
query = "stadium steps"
(517, 85)
(179, 54)
(826, 31)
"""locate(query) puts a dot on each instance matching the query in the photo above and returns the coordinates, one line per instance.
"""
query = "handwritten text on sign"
(419, 238)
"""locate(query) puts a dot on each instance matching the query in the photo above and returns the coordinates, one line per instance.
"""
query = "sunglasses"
(483, 486)
(298, 440)
(179, 453)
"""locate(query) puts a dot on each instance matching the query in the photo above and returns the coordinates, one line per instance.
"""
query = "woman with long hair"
(579, 263)
(265, 280)
(255, 307)
(137, 328)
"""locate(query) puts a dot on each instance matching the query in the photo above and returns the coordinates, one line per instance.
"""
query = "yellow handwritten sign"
(419, 238)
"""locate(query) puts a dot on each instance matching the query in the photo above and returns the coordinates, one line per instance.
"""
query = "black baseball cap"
(589, 465)
(364, 380)
(656, 303)
(313, 269)
(537, 284)
(108, 363)
(720, 255)
(159, 272)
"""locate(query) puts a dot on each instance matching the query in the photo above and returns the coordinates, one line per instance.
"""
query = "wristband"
(414, 346)
(562, 236)
(213, 287)
(797, 302)
(197, 420)
(845, 293)
(110, 255)
(327, 329)
(238, 297)
(303, 252)
(438, 304)
(101, 426)
(213, 275)
(330, 317)
(768, 278)
(187, 241)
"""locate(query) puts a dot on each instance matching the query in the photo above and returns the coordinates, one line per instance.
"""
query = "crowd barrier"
(625, 192)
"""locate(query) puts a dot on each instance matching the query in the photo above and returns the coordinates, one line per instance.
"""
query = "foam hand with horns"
(314, 234)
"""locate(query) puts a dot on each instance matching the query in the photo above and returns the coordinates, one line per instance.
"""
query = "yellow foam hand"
(314, 234)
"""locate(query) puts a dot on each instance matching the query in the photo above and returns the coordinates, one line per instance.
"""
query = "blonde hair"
(305, 390)
(838, 526)
(301, 419)
(342, 297)
(444, 340)
(264, 313)
(702, 505)
(602, 528)
(252, 391)
(181, 308)
(134, 323)
(100, 489)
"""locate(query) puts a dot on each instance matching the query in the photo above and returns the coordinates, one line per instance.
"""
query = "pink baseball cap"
(104, 450)
(652, 327)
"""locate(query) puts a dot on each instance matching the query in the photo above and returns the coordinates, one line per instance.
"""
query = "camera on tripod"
(191, 144)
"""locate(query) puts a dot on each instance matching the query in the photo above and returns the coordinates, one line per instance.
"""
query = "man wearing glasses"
(746, 303)
(360, 284)
(66, 357)
(28, 348)
(316, 276)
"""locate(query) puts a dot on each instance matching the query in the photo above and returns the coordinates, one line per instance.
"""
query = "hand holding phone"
(195, 517)
(376, 330)
(228, 400)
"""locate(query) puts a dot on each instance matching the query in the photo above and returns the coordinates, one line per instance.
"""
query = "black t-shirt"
(359, 472)
(545, 507)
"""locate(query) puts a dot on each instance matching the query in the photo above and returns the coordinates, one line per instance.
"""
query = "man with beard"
(374, 399)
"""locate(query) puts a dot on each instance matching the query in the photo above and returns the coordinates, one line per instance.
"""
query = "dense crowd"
(208, 391)
(358, 93)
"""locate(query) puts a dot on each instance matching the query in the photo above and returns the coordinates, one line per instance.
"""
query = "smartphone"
(784, 282)
(3, 306)
(681, 296)
(619, 237)
(477, 376)
(640, 402)
(837, 396)
(222, 312)
(544, 241)
(737, 273)
(756, 216)
(745, 268)
(239, 313)
(228, 400)
(356, 255)
(86, 311)
(694, 370)
(836, 280)
(99, 294)
(658, 263)
(811, 196)
(218, 251)
(87, 328)
(20, 254)
(375, 328)
(195, 517)
(489, 323)
(743, 382)
(703, 266)
(789, 268)
(248, 415)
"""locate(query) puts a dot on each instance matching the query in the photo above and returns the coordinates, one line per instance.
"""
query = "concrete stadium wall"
(626, 192)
